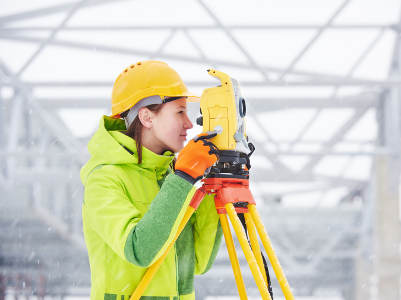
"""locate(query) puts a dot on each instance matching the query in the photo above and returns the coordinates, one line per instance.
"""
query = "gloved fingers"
(213, 148)
(205, 136)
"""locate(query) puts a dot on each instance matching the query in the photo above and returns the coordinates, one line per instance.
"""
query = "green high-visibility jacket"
(131, 213)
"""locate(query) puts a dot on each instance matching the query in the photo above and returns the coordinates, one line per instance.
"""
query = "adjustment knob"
(199, 121)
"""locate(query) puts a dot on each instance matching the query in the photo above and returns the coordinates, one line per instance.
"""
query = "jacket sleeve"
(139, 239)
(207, 235)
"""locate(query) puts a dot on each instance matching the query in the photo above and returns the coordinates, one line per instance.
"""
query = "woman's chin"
(178, 147)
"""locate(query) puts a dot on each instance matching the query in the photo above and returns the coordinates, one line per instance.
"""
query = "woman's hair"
(135, 129)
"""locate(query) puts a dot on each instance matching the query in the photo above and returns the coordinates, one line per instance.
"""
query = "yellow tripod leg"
(233, 256)
(285, 287)
(151, 271)
(253, 237)
(253, 265)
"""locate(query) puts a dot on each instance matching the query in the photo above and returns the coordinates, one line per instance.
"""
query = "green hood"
(107, 148)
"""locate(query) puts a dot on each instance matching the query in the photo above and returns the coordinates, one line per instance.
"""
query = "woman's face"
(170, 125)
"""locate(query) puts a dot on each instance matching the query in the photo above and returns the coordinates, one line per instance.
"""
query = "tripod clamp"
(229, 190)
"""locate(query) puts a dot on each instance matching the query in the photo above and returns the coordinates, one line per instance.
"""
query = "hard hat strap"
(169, 99)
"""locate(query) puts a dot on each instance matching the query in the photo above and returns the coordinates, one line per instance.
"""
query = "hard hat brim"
(189, 97)
(193, 98)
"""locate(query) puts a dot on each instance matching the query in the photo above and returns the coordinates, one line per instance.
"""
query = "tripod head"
(231, 164)
(223, 110)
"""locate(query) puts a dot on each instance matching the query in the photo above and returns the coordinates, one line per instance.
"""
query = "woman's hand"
(198, 155)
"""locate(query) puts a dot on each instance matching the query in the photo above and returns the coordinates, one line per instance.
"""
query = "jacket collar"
(150, 160)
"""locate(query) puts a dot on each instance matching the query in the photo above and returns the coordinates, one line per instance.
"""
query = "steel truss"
(40, 154)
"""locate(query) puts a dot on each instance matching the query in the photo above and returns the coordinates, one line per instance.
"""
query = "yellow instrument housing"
(219, 107)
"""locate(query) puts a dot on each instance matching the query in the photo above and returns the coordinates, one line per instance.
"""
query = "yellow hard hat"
(145, 79)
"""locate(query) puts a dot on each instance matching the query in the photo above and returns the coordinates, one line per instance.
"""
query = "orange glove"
(198, 155)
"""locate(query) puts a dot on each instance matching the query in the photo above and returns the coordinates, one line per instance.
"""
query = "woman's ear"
(145, 116)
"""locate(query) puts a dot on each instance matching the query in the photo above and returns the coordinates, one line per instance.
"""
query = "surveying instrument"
(223, 111)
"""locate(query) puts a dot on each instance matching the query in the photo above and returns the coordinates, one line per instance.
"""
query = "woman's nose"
(188, 123)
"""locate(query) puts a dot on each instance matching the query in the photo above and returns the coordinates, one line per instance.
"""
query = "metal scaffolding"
(346, 245)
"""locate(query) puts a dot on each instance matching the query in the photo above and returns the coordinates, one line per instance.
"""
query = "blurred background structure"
(323, 85)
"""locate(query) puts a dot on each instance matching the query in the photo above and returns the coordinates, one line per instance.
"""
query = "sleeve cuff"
(187, 177)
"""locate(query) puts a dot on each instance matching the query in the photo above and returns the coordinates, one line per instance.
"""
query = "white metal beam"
(349, 74)
(55, 126)
(351, 82)
(52, 35)
(129, 51)
(46, 11)
(313, 40)
(253, 63)
(233, 27)
(335, 138)
(259, 104)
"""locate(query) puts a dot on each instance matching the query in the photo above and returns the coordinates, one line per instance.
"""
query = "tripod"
(229, 181)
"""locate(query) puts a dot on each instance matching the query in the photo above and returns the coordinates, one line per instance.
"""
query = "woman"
(135, 198)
